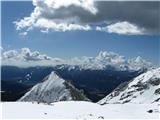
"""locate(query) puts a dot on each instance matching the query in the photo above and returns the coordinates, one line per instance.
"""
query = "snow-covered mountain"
(53, 88)
(108, 60)
(97, 76)
(143, 89)
(25, 57)
(116, 61)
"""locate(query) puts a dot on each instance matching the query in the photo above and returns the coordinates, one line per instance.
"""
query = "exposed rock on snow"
(143, 89)
(52, 89)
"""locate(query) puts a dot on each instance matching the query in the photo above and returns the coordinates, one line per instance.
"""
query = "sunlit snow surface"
(78, 110)
(141, 90)
(52, 89)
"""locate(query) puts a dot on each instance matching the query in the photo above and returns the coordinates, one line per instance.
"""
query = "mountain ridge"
(53, 88)
(142, 89)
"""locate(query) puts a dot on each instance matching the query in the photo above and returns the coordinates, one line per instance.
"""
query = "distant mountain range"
(107, 79)
(95, 76)
(104, 60)
(96, 84)
(142, 89)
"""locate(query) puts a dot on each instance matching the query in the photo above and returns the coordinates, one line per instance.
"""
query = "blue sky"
(73, 43)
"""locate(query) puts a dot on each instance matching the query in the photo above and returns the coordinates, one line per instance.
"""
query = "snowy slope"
(78, 110)
(52, 89)
(143, 89)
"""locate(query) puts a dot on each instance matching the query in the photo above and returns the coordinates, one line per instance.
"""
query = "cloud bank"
(27, 58)
(24, 55)
(122, 28)
(121, 17)
(59, 15)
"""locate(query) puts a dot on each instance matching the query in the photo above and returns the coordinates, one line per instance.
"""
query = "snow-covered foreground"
(78, 110)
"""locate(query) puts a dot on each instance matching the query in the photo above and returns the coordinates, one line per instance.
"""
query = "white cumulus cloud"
(122, 28)
(24, 54)
(57, 15)
(9, 54)
(24, 57)
(23, 33)
(67, 15)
